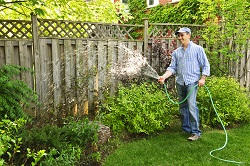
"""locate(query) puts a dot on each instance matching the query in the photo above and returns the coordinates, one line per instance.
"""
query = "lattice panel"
(75, 29)
(17, 29)
(168, 30)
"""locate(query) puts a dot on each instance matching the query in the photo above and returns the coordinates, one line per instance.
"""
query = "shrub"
(78, 133)
(231, 102)
(138, 109)
(10, 142)
(15, 94)
(64, 144)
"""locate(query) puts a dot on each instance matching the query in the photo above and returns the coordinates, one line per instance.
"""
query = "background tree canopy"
(92, 11)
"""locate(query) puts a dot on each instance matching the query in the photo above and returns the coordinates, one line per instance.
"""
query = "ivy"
(227, 31)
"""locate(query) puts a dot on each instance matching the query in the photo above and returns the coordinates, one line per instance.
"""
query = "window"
(173, 1)
(124, 1)
(152, 3)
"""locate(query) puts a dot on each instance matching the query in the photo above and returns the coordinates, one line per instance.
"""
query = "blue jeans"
(189, 110)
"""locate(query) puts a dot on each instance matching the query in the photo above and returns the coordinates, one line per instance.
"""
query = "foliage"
(65, 144)
(231, 102)
(69, 155)
(226, 33)
(92, 11)
(185, 12)
(22, 8)
(79, 133)
(15, 94)
(138, 109)
(9, 140)
(37, 156)
(137, 8)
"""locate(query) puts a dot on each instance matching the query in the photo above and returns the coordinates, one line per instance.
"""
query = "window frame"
(156, 2)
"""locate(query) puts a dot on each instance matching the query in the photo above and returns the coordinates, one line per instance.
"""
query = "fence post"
(36, 58)
(145, 36)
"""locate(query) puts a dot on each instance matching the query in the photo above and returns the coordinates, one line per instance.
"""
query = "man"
(191, 67)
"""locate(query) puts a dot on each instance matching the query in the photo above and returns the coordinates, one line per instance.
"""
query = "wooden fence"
(72, 60)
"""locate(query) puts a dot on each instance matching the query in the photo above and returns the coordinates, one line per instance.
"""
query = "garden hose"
(225, 144)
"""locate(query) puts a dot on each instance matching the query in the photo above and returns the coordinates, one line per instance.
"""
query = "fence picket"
(92, 67)
(111, 62)
(242, 66)
(45, 72)
(56, 65)
(26, 60)
(102, 67)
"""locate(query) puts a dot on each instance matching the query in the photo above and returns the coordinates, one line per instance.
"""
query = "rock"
(104, 134)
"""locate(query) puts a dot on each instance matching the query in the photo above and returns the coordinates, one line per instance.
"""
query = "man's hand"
(161, 80)
(202, 81)
(164, 77)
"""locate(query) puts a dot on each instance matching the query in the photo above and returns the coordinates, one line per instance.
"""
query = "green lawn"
(172, 148)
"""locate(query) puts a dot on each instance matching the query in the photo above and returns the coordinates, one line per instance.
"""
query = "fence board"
(102, 67)
(26, 60)
(9, 52)
(56, 66)
(248, 66)
(2, 56)
(112, 59)
(91, 50)
(139, 47)
(242, 66)
(45, 72)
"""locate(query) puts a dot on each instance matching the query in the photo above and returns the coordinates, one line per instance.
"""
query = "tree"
(21, 7)
(92, 11)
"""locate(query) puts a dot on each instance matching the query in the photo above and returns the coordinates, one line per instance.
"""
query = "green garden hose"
(225, 144)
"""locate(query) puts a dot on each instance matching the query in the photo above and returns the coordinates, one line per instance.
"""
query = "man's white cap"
(182, 30)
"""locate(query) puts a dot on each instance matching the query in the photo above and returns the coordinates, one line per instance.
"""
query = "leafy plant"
(226, 32)
(69, 155)
(138, 109)
(35, 155)
(15, 94)
(10, 142)
(65, 144)
(79, 133)
(231, 102)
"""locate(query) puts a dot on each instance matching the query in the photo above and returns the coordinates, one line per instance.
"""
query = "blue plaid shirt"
(188, 65)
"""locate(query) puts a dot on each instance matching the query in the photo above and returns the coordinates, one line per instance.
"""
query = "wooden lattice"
(168, 30)
(17, 29)
(76, 29)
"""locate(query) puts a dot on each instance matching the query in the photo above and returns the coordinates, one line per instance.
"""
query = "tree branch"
(12, 2)
(14, 10)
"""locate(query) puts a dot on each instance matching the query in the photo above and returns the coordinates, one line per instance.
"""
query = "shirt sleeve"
(173, 65)
(204, 64)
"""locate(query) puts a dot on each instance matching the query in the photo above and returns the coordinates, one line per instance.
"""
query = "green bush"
(78, 133)
(231, 102)
(10, 142)
(138, 109)
(15, 94)
(65, 144)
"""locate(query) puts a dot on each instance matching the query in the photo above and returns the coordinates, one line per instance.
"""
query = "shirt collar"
(189, 44)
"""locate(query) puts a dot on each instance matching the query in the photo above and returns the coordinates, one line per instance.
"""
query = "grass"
(172, 148)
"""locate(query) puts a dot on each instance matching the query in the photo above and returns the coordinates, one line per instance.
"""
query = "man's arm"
(170, 70)
(162, 78)
(205, 67)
